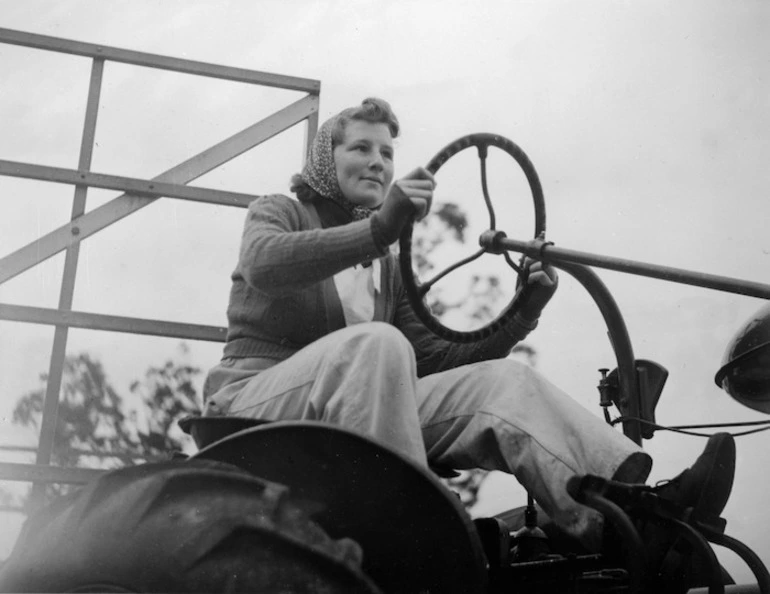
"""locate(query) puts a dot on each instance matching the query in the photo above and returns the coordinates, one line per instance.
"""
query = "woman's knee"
(379, 336)
(506, 370)
(504, 384)
(377, 346)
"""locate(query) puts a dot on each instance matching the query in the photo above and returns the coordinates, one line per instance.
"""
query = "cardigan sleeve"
(281, 253)
(435, 354)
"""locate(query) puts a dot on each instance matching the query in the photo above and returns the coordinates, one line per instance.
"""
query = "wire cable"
(686, 429)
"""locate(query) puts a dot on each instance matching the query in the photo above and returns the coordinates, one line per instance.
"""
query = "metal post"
(53, 388)
(619, 340)
(310, 131)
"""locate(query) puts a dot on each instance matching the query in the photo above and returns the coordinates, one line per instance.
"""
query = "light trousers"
(495, 415)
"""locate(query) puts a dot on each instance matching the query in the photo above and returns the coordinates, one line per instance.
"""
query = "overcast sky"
(648, 123)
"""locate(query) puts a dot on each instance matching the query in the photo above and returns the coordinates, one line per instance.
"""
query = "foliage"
(169, 392)
(91, 415)
(98, 428)
(445, 228)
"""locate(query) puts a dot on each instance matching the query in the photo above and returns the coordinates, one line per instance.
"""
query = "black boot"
(706, 485)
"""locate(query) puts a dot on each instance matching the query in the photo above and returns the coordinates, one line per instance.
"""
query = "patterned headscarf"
(320, 172)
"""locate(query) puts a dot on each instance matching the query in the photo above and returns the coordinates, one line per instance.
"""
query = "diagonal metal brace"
(86, 225)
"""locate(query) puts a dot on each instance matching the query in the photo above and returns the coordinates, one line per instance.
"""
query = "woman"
(320, 328)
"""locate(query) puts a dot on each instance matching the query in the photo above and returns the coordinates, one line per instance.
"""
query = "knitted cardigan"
(283, 295)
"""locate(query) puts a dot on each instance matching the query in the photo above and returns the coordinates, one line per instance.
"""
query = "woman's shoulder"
(275, 201)
(278, 209)
(276, 204)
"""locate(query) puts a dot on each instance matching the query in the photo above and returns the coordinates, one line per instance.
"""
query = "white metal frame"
(138, 193)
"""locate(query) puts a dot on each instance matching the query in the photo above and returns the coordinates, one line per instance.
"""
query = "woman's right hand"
(408, 198)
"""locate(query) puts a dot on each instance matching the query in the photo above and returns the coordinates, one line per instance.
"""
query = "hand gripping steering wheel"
(416, 292)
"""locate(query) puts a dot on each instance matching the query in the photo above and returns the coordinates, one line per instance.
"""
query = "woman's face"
(364, 163)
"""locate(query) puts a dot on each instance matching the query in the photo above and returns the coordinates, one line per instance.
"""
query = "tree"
(98, 428)
(168, 391)
(445, 228)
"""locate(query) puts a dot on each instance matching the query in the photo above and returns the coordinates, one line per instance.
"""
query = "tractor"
(304, 506)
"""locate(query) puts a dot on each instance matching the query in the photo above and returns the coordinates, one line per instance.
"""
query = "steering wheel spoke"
(519, 270)
(417, 292)
(425, 287)
(485, 190)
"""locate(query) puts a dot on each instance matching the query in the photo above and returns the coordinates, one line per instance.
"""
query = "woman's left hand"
(541, 273)
(542, 280)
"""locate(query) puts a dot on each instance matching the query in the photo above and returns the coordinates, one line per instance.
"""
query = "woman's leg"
(362, 378)
(501, 415)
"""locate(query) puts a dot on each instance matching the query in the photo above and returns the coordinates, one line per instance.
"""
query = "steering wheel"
(416, 293)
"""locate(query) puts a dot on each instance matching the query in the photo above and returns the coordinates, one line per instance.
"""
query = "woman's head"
(351, 159)
(372, 110)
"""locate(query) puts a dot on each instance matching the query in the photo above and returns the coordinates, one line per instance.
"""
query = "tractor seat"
(207, 430)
